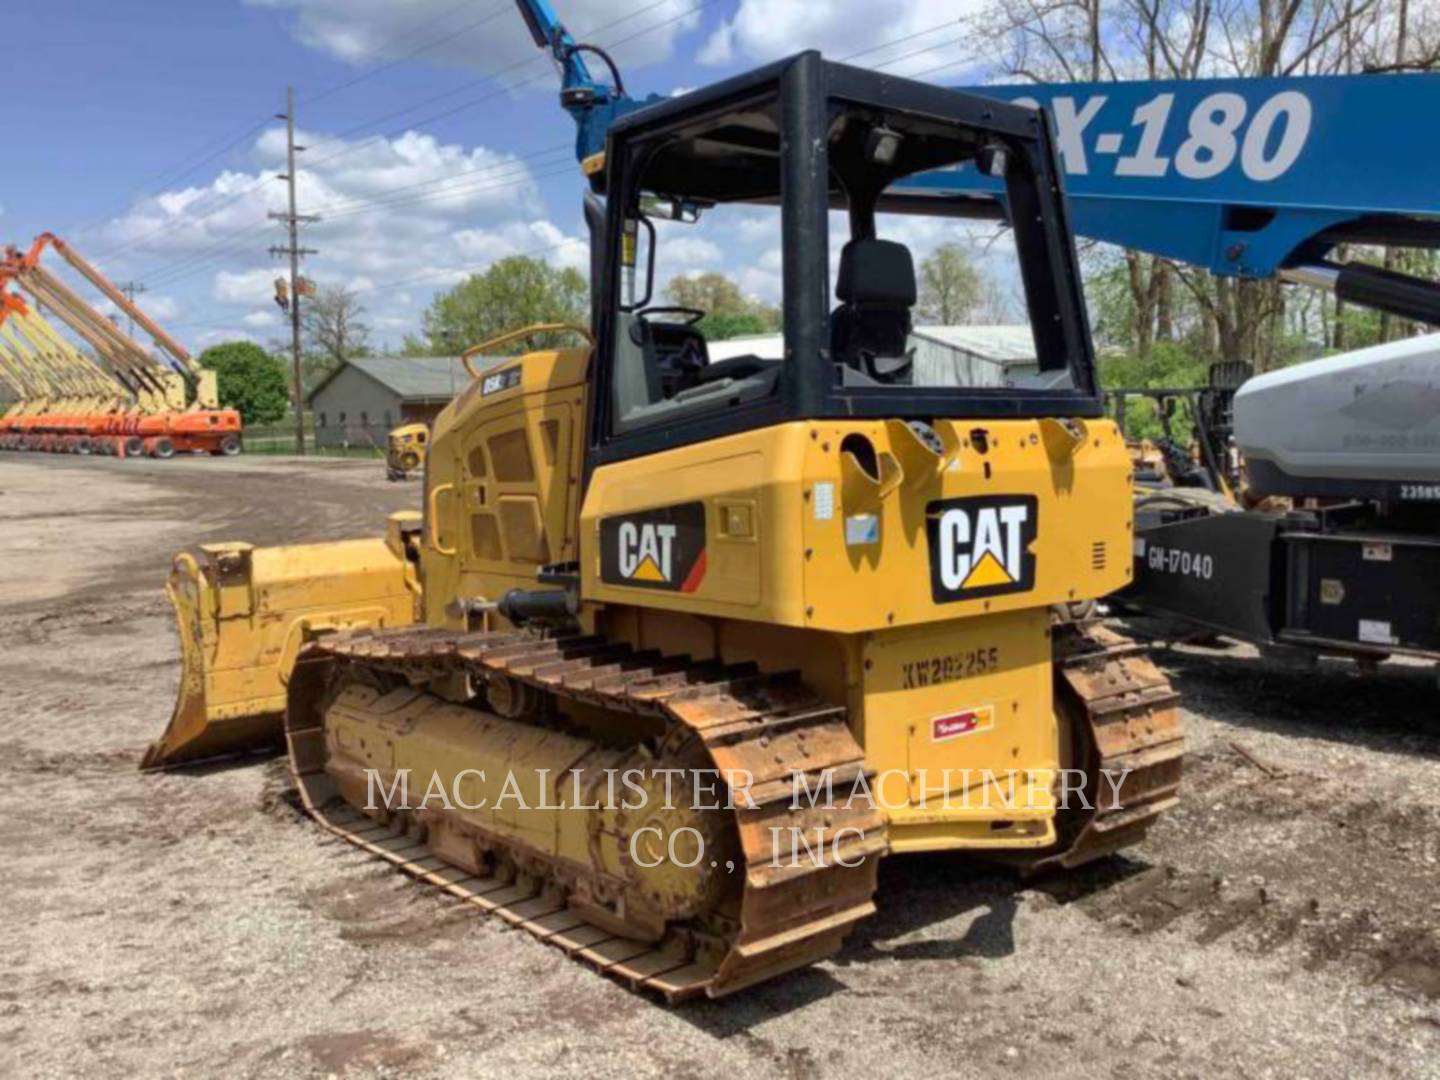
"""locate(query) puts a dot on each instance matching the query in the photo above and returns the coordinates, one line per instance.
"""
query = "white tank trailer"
(1365, 424)
(1352, 568)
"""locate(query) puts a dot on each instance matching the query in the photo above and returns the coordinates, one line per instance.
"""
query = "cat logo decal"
(981, 546)
(655, 549)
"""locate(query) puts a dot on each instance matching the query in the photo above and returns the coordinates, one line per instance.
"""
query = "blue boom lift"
(1252, 179)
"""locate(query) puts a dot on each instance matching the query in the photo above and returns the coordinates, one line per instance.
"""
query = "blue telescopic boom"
(1251, 178)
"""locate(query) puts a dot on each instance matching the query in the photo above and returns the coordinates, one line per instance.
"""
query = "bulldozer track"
(1125, 718)
(770, 726)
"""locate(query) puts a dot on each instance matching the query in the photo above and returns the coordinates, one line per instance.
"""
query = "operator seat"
(870, 328)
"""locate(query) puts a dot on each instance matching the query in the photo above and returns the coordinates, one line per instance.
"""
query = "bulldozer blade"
(244, 614)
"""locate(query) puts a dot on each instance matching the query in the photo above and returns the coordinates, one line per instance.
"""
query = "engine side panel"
(502, 477)
(853, 526)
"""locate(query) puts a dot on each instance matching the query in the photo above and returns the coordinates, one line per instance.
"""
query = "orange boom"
(115, 397)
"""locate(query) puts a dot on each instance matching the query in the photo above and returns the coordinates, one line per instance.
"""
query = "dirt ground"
(1285, 921)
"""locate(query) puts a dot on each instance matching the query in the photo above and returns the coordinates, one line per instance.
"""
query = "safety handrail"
(513, 335)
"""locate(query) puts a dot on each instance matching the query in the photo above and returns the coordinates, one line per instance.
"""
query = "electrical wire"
(161, 180)
(370, 73)
(447, 188)
(263, 180)
(527, 62)
(897, 41)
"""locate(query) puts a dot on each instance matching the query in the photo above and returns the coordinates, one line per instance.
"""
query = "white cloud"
(157, 306)
(261, 320)
(753, 230)
(409, 210)
(160, 306)
(215, 337)
(924, 33)
(719, 47)
(691, 250)
(760, 284)
(539, 239)
(480, 38)
(243, 287)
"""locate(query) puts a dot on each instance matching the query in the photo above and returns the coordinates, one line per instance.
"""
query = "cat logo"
(645, 551)
(981, 546)
(655, 549)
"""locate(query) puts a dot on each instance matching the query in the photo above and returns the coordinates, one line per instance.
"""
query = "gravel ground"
(1283, 922)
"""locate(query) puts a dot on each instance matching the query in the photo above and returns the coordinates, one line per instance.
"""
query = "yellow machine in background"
(815, 609)
(405, 453)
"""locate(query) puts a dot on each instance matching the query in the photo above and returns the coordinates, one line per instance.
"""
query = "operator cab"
(796, 166)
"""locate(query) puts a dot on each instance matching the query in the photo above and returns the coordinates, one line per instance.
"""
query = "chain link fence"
(329, 440)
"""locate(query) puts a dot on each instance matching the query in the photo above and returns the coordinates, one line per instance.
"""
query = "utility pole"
(131, 289)
(293, 220)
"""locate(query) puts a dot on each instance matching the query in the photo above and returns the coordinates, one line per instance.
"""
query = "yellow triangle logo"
(648, 571)
(987, 571)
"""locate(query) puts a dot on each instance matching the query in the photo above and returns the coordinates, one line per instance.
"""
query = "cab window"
(678, 351)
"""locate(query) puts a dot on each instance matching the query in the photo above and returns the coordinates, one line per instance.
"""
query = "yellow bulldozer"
(677, 650)
(405, 452)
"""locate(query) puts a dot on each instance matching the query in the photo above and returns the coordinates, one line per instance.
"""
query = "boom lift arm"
(594, 106)
(147, 381)
(131, 363)
(119, 299)
(1250, 178)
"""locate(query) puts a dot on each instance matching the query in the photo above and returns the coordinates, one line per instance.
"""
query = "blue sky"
(142, 131)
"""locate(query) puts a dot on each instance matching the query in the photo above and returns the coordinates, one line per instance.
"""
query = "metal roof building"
(973, 355)
(944, 355)
(361, 400)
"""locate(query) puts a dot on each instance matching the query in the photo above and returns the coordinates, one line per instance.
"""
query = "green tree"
(415, 346)
(249, 379)
(514, 293)
(733, 324)
(951, 289)
(729, 313)
(335, 331)
(1169, 365)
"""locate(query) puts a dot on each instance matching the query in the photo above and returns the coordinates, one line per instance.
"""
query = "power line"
(922, 52)
(445, 187)
(436, 43)
(514, 173)
(211, 257)
(176, 222)
(898, 41)
(170, 174)
(544, 73)
(432, 274)
(939, 67)
(160, 180)
(131, 289)
(234, 197)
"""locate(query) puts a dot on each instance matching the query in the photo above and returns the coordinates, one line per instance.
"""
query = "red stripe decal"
(697, 574)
